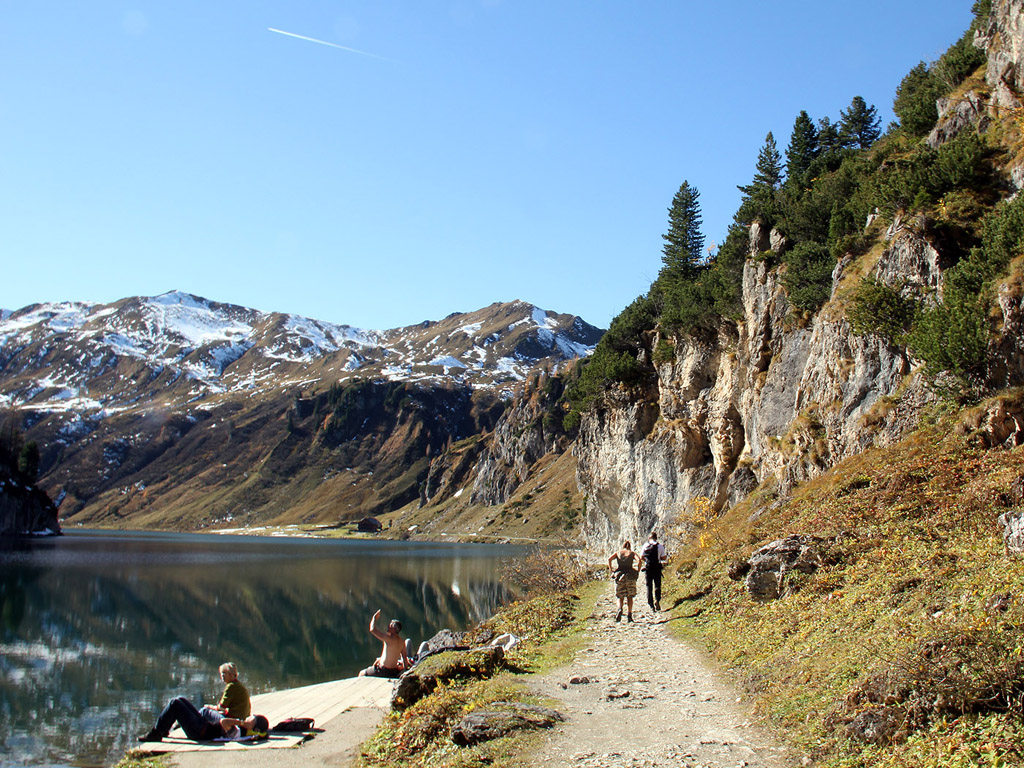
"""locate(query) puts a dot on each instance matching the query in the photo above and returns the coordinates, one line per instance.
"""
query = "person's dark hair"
(396, 624)
(626, 544)
(654, 535)
(260, 725)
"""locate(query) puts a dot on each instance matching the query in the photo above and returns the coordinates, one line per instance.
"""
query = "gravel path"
(636, 697)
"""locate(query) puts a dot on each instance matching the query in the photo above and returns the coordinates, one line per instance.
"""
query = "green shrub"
(880, 310)
(808, 275)
(952, 338)
(915, 100)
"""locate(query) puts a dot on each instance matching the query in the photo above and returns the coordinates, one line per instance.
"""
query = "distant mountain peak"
(176, 349)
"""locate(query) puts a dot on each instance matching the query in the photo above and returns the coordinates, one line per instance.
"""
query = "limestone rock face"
(764, 397)
(1003, 41)
(525, 433)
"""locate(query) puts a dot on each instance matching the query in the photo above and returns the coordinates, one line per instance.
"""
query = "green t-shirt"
(235, 700)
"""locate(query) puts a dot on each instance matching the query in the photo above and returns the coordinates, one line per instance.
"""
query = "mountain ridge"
(178, 411)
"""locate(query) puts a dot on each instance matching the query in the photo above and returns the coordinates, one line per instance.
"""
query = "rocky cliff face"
(528, 430)
(768, 397)
(776, 397)
(24, 509)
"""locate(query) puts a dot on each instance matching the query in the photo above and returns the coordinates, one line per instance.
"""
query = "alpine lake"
(99, 629)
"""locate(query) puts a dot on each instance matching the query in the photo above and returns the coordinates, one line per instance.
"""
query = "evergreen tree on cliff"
(760, 198)
(859, 124)
(802, 149)
(681, 254)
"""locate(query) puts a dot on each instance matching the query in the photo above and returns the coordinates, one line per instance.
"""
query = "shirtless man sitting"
(393, 656)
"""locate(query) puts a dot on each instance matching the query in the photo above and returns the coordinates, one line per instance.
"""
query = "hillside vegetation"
(906, 647)
(899, 641)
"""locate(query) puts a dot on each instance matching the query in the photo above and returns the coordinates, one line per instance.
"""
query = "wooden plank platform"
(322, 701)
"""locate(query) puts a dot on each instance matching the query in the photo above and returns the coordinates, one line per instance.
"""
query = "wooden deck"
(322, 701)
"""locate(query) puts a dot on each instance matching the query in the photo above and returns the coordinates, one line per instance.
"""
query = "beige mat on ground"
(322, 701)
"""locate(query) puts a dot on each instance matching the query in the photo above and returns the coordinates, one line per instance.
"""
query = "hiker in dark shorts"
(625, 575)
(653, 555)
(394, 657)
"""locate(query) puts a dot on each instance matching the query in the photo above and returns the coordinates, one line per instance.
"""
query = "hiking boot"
(657, 606)
(153, 735)
(618, 616)
(629, 618)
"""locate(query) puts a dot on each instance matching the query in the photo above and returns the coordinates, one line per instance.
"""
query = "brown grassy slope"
(909, 628)
(547, 506)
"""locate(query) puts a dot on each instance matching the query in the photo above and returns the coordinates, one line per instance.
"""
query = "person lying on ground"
(394, 657)
(204, 724)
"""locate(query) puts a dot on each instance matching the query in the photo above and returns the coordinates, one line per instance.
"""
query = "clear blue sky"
(465, 152)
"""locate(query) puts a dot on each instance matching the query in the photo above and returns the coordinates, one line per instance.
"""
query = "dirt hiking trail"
(638, 698)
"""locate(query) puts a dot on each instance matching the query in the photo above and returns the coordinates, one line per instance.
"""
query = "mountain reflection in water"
(98, 630)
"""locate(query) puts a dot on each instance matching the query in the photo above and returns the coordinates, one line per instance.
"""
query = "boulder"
(1013, 531)
(426, 676)
(769, 565)
(503, 719)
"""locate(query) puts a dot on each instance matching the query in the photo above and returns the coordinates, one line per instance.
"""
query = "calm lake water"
(99, 629)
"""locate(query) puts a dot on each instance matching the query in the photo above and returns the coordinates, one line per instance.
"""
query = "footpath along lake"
(99, 629)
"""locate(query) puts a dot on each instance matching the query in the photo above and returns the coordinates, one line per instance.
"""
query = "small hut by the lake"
(369, 525)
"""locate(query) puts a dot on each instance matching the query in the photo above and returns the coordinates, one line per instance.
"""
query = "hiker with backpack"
(654, 557)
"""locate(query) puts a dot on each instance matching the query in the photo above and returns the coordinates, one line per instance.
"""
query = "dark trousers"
(653, 586)
(192, 721)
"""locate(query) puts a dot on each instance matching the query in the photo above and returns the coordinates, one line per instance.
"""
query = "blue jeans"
(198, 726)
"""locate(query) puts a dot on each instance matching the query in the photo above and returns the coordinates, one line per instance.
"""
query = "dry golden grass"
(907, 602)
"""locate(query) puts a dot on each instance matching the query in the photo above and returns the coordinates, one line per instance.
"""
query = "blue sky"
(464, 152)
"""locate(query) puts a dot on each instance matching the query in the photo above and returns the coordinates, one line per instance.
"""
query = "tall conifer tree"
(759, 198)
(684, 242)
(859, 125)
(802, 149)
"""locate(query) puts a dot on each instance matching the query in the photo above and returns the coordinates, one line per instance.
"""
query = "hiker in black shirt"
(653, 555)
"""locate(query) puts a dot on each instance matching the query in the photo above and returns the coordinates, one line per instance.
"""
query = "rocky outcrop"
(1003, 41)
(25, 510)
(762, 398)
(768, 566)
(530, 428)
(427, 675)
(1012, 523)
(501, 719)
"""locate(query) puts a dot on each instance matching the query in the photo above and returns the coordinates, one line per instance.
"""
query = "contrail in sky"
(324, 42)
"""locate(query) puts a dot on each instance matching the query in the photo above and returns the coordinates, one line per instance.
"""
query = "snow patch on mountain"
(177, 348)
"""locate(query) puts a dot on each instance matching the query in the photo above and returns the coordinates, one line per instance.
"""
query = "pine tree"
(859, 125)
(802, 149)
(759, 198)
(683, 241)
(28, 461)
(915, 100)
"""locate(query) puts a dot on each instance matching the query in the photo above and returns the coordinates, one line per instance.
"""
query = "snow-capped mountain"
(176, 348)
(174, 411)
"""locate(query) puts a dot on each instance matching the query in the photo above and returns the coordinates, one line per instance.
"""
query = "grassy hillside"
(547, 507)
(907, 647)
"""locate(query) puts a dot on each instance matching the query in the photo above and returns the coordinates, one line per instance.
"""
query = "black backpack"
(294, 724)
